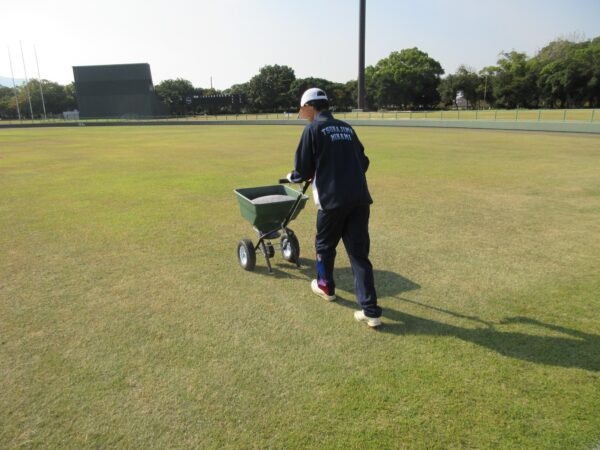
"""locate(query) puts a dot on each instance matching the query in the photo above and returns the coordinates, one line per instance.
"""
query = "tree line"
(57, 98)
(563, 74)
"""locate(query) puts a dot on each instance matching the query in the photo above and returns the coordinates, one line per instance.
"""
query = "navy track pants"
(351, 224)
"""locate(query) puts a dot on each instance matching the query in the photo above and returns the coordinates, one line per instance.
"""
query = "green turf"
(125, 321)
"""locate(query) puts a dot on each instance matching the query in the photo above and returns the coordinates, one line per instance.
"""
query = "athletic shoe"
(373, 322)
(320, 292)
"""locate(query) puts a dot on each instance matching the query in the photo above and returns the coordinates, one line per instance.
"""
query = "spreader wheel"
(246, 254)
(290, 248)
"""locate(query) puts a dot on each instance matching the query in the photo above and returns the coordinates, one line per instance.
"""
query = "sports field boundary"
(562, 127)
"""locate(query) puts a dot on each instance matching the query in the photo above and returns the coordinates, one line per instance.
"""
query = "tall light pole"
(40, 82)
(26, 81)
(361, 54)
(12, 74)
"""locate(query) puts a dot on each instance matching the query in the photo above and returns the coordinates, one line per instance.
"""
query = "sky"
(231, 40)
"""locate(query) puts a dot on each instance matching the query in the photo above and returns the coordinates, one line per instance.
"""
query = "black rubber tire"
(270, 250)
(246, 254)
(290, 248)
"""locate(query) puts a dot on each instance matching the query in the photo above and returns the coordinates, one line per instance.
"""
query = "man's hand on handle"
(292, 177)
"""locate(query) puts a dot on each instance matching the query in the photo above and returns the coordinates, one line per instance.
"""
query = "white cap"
(313, 94)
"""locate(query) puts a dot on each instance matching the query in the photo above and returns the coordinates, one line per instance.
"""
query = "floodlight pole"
(26, 81)
(361, 55)
(40, 82)
(12, 74)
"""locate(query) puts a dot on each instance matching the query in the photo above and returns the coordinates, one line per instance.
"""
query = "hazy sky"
(230, 40)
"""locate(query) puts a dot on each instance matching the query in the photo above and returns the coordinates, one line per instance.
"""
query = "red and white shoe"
(314, 285)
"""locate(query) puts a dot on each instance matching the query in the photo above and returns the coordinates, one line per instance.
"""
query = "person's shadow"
(573, 348)
(387, 283)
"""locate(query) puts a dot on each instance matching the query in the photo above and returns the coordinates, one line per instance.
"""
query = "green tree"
(371, 91)
(5, 99)
(514, 82)
(567, 73)
(173, 94)
(351, 87)
(382, 90)
(447, 89)
(340, 96)
(24, 100)
(300, 85)
(467, 81)
(57, 98)
(553, 71)
(405, 79)
(207, 91)
(71, 96)
(238, 89)
(269, 90)
(486, 85)
(593, 72)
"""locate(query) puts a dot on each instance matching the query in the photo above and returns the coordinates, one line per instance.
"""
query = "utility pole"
(12, 74)
(361, 55)
(485, 90)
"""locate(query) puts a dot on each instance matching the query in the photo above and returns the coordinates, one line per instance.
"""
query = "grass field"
(125, 321)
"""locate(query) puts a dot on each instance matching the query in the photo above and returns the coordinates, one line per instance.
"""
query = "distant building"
(71, 115)
(119, 90)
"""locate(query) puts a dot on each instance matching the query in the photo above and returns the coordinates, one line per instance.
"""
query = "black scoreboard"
(118, 90)
(235, 100)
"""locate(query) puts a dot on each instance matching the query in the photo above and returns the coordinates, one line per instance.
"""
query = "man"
(331, 155)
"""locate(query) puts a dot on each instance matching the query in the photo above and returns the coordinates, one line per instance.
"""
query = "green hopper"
(270, 209)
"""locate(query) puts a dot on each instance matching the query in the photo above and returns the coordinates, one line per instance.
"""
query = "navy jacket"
(331, 154)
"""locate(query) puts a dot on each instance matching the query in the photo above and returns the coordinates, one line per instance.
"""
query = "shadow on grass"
(387, 283)
(575, 349)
